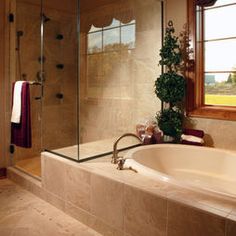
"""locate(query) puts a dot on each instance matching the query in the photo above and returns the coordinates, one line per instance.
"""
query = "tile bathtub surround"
(22, 213)
(107, 200)
(78, 188)
(184, 220)
(125, 203)
(144, 213)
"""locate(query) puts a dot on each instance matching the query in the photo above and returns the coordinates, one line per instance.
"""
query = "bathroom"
(76, 121)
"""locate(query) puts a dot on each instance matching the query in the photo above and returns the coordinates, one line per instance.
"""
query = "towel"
(191, 138)
(194, 132)
(194, 135)
(21, 132)
(16, 108)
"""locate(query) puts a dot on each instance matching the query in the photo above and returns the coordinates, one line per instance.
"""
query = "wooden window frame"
(195, 106)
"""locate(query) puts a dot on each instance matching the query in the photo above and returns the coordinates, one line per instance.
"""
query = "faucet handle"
(120, 162)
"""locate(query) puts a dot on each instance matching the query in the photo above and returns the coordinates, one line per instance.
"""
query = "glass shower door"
(25, 65)
(43, 52)
(60, 56)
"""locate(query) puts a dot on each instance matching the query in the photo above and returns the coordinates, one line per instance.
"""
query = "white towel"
(16, 108)
(192, 138)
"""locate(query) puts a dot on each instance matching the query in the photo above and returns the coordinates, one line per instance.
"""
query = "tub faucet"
(115, 150)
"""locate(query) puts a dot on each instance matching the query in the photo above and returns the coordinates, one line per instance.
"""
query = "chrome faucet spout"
(115, 151)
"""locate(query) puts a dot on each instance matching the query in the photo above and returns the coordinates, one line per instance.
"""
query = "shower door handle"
(40, 76)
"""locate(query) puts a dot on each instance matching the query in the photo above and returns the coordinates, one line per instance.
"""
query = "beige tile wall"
(117, 91)
(59, 116)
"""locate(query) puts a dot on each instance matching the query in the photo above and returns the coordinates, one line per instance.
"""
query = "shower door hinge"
(12, 148)
(11, 17)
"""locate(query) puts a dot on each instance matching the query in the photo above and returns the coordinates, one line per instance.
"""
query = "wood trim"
(214, 112)
(195, 106)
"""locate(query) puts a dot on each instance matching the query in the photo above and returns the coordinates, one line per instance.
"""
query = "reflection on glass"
(111, 39)
(114, 37)
(94, 62)
(218, 22)
(95, 42)
(128, 36)
(114, 23)
(220, 89)
(112, 81)
(220, 55)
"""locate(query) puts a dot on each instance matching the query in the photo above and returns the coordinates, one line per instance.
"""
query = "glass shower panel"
(59, 110)
(25, 65)
(119, 44)
(92, 91)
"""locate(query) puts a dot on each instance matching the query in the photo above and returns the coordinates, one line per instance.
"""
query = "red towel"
(21, 133)
(194, 132)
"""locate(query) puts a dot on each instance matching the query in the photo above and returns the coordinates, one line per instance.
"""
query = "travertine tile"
(78, 187)
(185, 221)
(54, 177)
(54, 200)
(107, 200)
(144, 213)
(92, 221)
(6, 231)
(213, 203)
(231, 225)
(214, 129)
(25, 214)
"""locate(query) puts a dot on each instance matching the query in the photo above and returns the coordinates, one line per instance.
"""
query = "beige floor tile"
(22, 213)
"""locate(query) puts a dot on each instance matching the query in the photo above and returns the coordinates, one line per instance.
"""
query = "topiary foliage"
(170, 52)
(170, 87)
(170, 122)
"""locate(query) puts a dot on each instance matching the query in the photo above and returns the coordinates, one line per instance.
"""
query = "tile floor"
(31, 166)
(24, 214)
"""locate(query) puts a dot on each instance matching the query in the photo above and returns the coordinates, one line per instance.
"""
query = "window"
(116, 36)
(212, 81)
(109, 49)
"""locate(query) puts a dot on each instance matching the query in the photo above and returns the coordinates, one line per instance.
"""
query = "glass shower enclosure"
(91, 66)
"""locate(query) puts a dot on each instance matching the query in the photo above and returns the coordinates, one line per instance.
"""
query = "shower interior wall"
(117, 86)
(54, 120)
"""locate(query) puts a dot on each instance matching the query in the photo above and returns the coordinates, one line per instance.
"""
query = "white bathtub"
(209, 169)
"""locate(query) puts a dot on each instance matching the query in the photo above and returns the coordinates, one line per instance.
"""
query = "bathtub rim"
(153, 174)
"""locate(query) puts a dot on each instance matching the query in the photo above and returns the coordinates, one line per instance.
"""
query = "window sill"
(214, 112)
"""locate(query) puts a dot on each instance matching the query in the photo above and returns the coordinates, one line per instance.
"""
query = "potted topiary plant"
(170, 122)
(170, 87)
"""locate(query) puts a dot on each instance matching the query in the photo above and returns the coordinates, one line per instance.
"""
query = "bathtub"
(208, 169)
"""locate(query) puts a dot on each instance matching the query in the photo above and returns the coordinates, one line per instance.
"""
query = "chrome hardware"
(40, 76)
(121, 162)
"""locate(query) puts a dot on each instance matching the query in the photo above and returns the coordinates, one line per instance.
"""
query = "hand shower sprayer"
(19, 34)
